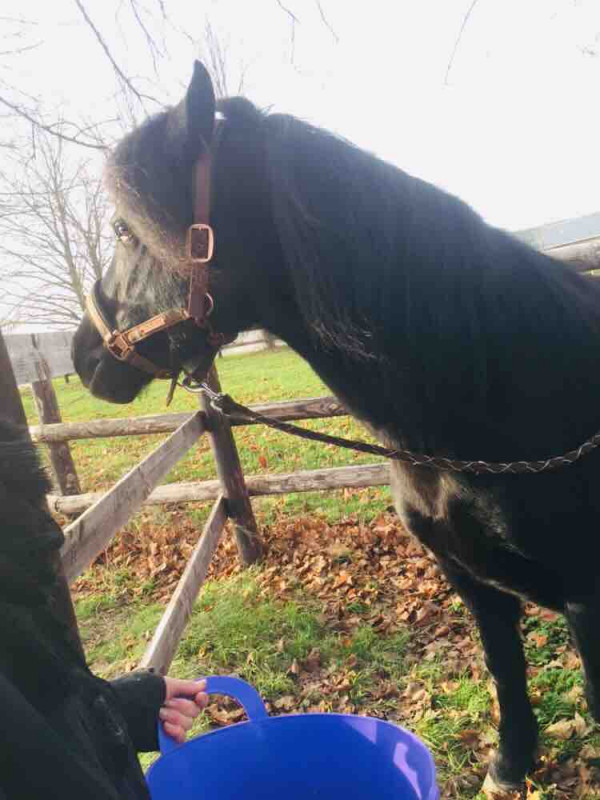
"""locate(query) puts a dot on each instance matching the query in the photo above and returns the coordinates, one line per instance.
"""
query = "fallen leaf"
(581, 726)
(286, 702)
(563, 729)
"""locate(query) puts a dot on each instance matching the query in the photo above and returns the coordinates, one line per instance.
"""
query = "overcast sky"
(514, 129)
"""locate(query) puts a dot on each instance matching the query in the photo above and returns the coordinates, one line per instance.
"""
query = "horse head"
(162, 307)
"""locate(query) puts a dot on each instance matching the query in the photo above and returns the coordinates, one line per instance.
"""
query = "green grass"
(251, 378)
(235, 629)
(115, 635)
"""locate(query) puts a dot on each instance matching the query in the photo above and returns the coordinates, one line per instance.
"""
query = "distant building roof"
(566, 231)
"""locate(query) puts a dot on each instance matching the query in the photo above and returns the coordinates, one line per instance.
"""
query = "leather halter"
(200, 245)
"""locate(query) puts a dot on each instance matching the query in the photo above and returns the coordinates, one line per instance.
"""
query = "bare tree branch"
(54, 236)
(51, 129)
(152, 46)
(294, 21)
(218, 64)
(18, 21)
(326, 22)
(458, 39)
(140, 96)
(19, 50)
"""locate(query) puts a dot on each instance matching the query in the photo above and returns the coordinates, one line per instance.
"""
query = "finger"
(175, 718)
(201, 700)
(187, 707)
(175, 686)
(174, 731)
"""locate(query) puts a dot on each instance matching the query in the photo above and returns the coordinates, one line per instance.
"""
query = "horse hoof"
(499, 790)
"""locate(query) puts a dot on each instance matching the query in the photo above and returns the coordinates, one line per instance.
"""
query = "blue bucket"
(293, 757)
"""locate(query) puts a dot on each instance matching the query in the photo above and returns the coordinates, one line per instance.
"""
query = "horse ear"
(192, 121)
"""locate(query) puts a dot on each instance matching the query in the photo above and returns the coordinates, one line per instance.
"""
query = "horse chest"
(470, 533)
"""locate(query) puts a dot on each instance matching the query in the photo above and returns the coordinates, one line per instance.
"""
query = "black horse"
(443, 334)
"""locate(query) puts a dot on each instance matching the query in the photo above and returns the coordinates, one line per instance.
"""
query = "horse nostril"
(86, 364)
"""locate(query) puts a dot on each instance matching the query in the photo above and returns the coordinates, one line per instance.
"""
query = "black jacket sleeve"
(140, 696)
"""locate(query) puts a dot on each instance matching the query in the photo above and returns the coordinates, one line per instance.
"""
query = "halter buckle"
(200, 243)
(119, 346)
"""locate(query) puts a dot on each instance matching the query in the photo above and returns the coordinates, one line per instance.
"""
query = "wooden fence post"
(11, 408)
(231, 477)
(46, 401)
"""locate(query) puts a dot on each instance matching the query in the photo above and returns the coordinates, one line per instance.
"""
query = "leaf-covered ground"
(350, 617)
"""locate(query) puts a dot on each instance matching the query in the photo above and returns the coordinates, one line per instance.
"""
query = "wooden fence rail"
(163, 646)
(88, 536)
(313, 480)
(289, 410)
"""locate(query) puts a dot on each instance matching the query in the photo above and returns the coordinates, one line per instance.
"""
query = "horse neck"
(538, 398)
(474, 345)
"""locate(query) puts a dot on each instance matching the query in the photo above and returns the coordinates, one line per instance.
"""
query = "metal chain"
(225, 405)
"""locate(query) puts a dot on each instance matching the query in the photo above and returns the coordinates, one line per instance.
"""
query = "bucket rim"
(311, 715)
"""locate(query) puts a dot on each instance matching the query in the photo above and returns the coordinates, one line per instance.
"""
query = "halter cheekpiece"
(199, 249)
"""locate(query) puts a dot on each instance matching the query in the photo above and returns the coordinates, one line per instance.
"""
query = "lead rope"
(225, 405)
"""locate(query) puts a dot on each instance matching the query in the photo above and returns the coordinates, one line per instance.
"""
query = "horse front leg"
(583, 617)
(497, 615)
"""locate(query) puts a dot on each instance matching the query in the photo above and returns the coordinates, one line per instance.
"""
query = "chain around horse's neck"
(225, 405)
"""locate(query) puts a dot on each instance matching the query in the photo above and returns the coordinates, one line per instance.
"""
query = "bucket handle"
(239, 690)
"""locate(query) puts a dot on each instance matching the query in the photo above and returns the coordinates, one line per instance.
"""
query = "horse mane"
(360, 234)
(457, 313)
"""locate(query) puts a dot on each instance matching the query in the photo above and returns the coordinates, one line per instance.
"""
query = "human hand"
(179, 712)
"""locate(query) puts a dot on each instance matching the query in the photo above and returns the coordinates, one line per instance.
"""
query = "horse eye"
(122, 232)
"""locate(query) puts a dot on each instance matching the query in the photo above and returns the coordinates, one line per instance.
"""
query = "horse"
(442, 334)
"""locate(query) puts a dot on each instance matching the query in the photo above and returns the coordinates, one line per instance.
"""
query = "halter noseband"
(200, 245)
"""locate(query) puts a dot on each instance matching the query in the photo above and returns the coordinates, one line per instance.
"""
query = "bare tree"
(24, 115)
(53, 235)
(53, 213)
(215, 54)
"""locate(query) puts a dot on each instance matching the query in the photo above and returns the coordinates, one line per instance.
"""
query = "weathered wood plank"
(289, 410)
(163, 646)
(101, 428)
(61, 460)
(26, 349)
(313, 480)
(92, 532)
(231, 477)
(55, 347)
(581, 256)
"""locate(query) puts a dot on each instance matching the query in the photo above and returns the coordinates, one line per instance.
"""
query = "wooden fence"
(104, 514)
(36, 358)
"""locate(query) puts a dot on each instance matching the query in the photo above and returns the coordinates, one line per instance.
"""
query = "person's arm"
(145, 697)
(140, 696)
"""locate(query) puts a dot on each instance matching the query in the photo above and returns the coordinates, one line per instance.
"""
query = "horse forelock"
(150, 191)
(163, 241)
(150, 183)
